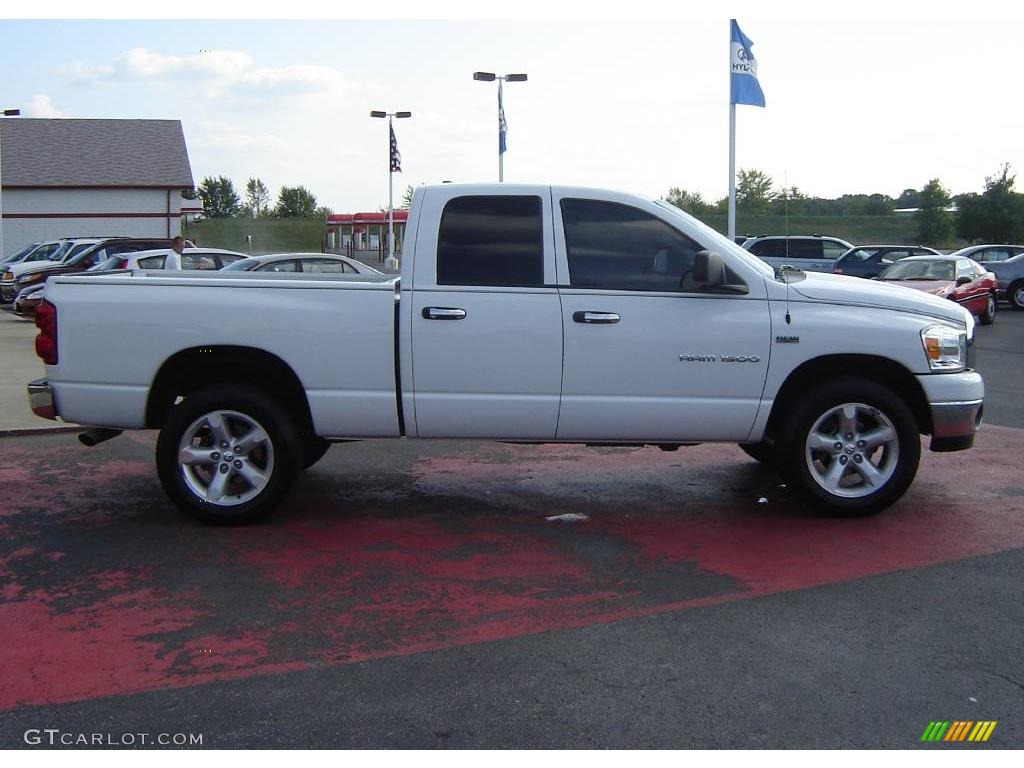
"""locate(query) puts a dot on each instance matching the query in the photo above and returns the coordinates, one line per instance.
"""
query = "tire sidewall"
(1012, 294)
(829, 395)
(272, 417)
(989, 315)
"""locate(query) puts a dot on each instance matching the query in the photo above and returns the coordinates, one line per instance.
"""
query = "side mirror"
(963, 280)
(709, 269)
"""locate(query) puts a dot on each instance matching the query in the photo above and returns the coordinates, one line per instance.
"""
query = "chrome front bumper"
(40, 399)
(954, 424)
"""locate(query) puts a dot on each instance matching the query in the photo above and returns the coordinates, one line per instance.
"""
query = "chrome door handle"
(443, 313)
(595, 317)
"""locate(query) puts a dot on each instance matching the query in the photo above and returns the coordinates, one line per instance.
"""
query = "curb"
(29, 431)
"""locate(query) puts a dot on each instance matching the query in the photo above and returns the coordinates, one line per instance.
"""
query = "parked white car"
(308, 263)
(167, 258)
(523, 313)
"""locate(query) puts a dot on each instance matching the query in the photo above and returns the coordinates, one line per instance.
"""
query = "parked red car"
(958, 279)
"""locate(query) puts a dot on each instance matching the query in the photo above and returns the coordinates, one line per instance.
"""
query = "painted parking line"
(105, 590)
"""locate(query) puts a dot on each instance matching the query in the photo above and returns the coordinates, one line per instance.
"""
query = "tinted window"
(491, 240)
(858, 255)
(279, 266)
(619, 247)
(805, 249)
(152, 262)
(325, 266)
(769, 249)
(198, 261)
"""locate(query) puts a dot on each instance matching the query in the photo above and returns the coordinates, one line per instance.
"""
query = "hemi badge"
(787, 339)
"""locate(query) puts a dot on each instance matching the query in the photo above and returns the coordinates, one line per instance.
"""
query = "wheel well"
(880, 369)
(199, 367)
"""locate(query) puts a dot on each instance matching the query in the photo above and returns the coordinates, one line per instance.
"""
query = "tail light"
(837, 270)
(46, 341)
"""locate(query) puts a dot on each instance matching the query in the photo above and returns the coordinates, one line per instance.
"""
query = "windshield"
(61, 252)
(722, 243)
(242, 265)
(16, 256)
(926, 269)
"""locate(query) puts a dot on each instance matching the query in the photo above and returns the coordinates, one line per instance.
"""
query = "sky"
(873, 102)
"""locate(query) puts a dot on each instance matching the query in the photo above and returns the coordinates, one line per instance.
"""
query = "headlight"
(945, 348)
(8, 276)
(30, 278)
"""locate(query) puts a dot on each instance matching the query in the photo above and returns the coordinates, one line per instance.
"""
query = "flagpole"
(732, 170)
(501, 155)
(391, 208)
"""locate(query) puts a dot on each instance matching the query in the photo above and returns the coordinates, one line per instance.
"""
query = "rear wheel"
(989, 315)
(228, 455)
(853, 448)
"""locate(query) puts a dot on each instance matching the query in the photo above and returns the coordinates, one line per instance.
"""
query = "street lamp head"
(403, 114)
(378, 113)
(515, 78)
(12, 112)
(487, 77)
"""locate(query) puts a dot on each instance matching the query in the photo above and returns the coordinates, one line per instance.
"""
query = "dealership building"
(69, 177)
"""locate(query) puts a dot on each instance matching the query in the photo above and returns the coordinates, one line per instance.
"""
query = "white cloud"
(219, 73)
(41, 106)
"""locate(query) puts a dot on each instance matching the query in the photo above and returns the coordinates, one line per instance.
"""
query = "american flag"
(396, 157)
(502, 124)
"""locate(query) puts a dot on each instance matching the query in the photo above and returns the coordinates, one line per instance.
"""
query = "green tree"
(789, 200)
(219, 197)
(934, 221)
(295, 202)
(754, 191)
(691, 202)
(407, 198)
(257, 197)
(909, 198)
(996, 215)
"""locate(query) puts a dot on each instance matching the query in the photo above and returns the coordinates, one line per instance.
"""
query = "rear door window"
(152, 262)
(279, 266)
(326, 266)
(493, 240)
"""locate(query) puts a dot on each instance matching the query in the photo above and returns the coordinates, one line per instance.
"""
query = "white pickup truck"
(523, 313)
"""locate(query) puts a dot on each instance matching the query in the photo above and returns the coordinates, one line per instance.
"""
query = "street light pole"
(394, 159)
(489, 77)
(7, 113)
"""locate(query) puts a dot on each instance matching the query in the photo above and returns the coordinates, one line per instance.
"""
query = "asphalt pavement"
(418, 595)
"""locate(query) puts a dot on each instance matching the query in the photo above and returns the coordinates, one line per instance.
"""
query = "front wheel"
(1016, 295)
(853, 448)
(989, 315)
(228, 455)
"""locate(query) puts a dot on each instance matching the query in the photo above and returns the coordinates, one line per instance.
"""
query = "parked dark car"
(1010, 277)
(871, 260)
(13, 282)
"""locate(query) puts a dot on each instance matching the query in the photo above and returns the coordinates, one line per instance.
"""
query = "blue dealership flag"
(502, 125)
(744, 87)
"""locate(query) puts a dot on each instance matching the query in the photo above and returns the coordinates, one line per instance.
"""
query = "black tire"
(1015, 295)
(882, 411)
(989, 315)
(314, 450)
(763, 453)
(235, 407)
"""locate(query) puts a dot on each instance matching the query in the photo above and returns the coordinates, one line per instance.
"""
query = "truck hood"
(844, 289)
(32, 266)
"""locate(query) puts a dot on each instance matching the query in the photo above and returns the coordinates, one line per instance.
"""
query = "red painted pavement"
(105, 590)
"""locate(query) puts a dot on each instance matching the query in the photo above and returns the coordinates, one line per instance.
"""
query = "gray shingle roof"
(72, 152)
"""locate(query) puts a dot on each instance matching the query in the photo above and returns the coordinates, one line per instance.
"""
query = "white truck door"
(486, 318)
(650, 354)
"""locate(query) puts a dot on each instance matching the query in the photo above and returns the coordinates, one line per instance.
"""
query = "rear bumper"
(40, 399)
